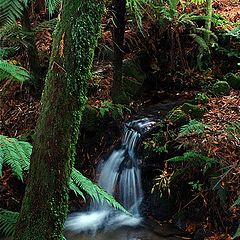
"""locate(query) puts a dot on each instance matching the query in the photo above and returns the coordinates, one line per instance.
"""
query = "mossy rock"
(221, 88)
(194, 111)
(233, 80)
(177, 117)
(133, 77)
(90, 119)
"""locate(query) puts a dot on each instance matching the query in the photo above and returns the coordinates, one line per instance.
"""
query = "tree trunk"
(119, 10)
(45, 203)
(208, 23)
(32, 53)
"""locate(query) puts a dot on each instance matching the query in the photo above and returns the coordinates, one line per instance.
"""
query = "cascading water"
(120, 175)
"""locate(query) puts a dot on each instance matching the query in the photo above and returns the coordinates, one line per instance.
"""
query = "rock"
(233, 80)
(177, 117)
(194, 111)
(221, 88)
(133, 77)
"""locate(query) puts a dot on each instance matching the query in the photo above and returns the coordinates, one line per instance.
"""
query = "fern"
(195, 158)
(193, 126)
(6, 51)
(95, 192)
(16, 154)
(233, 128)
(237, 202)
(8, 220)
(11, 72)
(10, 11)
(52, 5)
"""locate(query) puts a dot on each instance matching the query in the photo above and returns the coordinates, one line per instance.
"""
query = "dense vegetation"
(149, 52)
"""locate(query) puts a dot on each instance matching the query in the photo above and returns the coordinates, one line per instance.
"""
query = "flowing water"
(120, 175)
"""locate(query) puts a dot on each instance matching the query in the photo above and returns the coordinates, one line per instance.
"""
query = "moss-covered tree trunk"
(45, 203)
(118, 12)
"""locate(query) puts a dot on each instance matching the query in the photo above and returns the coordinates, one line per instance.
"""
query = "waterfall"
(120, 176)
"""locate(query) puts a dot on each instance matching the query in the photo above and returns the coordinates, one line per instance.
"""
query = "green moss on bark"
(45, 203)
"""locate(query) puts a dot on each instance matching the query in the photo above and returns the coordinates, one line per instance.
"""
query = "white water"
(120, 175)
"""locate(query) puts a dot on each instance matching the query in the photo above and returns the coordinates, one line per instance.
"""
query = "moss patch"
(194, 111)
(233, 80)
(177, 117)
(221, 88)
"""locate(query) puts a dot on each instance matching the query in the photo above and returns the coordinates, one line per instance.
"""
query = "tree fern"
(8, 220)
(193, 126)
(11, 72)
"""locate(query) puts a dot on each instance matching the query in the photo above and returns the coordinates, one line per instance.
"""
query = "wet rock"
(221, 88)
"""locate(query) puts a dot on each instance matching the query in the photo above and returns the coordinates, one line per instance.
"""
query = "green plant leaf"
(11, 72)
(8, 220)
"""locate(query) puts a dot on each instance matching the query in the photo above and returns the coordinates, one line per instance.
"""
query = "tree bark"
(119, 11)
(45, 203)
(32, 53)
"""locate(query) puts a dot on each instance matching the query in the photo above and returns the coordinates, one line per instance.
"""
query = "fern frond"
(52, 5)
(76, 189)
(6, 51)
(193, 126)
(15, 154)
(194, 157)
(206, 31)
(237, 234)
(95, 192)
(10, 11)
(233, 128)
(11, 72)
(237, 202)
(46, 25)
(8, 220)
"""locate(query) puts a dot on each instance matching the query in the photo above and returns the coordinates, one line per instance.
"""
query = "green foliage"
(193, 110)
(115, 110)
(195, 158)
(52, 5)
(11, 72)
(177, 117)
(10, 11)
(221, 88)
(8, 220)
(193, 127)
(237, 202)
(201, 98)
(6, 51)
(233, 80)
(97, 193)
(196, 185)
(16, 154)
